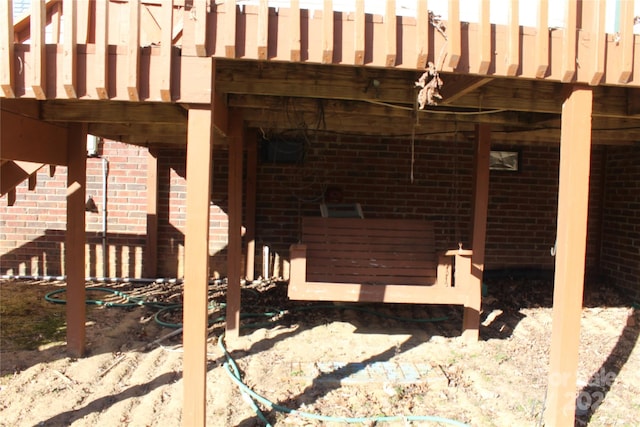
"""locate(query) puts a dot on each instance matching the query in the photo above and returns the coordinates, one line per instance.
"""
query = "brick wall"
(375, 172)
(621, 220)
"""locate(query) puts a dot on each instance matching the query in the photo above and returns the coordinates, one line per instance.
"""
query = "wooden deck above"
(356, 64)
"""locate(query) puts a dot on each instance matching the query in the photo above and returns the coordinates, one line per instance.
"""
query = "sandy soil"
(338, 361)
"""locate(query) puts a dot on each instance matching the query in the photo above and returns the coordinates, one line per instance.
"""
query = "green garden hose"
(232, 370)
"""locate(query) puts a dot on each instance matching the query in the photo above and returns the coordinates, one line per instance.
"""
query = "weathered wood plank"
(230, 28)
(627, 40)
(69, 48)
(327, 32)
(569, 35)
(390, 33)
(542, 39)
(7, 49)
(38, 58)
(294, 31)
(513, 37)
(166, 47)
(133, 51)
(200, 13)
(101, 58)
(359, 33)
(573, 198)
(484, 34)
(263, 29)
(454, 34)
(593, 24)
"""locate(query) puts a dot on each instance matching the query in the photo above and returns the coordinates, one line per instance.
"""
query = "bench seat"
(378, 260)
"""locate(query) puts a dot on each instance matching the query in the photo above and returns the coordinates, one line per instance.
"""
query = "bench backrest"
(370, 251)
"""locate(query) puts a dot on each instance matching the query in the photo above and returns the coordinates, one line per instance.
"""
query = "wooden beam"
(102, 53)
(250, 203)
(459, 88)
(294, 31)
(133, 51)
(166, 47)
(569, 37)
(7, 49)
(113, 112)
(234, 245)
(151, 243)
(359, 33)
(69, 48)
(32, 140)
(263, 29)
(573, 198)
(327, 32)
(74, 254)
(12, 173)
(199, 165)
(542, 39)
(391, 31)
(38, 54)
(513, 39)
(471, 318)
(484, 34)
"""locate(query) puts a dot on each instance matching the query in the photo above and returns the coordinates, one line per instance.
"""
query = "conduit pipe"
(105, 173)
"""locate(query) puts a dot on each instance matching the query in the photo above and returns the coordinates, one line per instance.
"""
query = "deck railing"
(141, 49)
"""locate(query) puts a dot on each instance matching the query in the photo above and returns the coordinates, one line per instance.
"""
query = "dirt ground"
(333, 360)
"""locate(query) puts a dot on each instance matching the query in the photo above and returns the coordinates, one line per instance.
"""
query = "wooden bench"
(381, 260)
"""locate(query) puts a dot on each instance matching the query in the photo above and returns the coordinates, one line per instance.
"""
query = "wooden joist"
(31, 140)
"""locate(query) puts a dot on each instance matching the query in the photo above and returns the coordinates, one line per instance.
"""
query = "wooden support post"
(151, 244)
(196, 275)
(6, 49)
(471, 319)
(250, 221)
(74, 255)
(234, 245)
(422, 33)
(573, 197)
